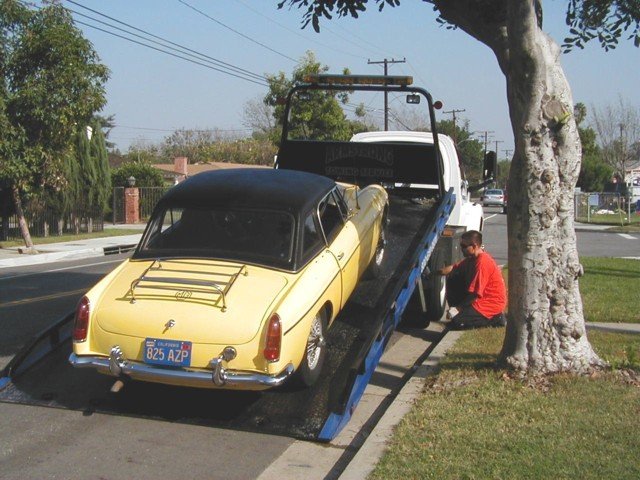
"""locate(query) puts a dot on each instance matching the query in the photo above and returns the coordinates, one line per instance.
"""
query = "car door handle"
(340, 255)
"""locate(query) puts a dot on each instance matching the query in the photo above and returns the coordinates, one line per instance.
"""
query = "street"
(40, 442)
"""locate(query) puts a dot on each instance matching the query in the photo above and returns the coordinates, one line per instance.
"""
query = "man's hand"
(445, 270)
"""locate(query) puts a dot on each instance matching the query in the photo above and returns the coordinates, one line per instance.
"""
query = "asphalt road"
(590, 243)
(39, 442)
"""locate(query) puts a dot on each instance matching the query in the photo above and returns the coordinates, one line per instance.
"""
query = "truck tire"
(314, 353)
(434, 292)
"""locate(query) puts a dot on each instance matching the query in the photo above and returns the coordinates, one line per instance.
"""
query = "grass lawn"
(612, 219)
(107, 232)
(473, 422)
(610, 290)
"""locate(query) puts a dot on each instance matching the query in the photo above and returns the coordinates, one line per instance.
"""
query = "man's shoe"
(499, 320)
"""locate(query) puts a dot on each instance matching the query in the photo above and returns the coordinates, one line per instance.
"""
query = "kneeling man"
(475, 288)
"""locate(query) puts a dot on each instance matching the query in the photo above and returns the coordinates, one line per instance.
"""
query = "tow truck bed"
(41, 374)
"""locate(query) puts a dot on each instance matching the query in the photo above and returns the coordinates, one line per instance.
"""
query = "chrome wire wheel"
(315, 342)
(382, 242)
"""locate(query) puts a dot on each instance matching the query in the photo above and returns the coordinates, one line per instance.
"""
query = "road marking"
(627, 236)
(11, 277)
(490, 217)
(43, 298)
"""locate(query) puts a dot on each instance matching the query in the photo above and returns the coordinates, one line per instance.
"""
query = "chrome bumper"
(219, 376)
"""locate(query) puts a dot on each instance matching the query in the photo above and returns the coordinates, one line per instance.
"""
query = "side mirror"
(490, 166)
(413, 98)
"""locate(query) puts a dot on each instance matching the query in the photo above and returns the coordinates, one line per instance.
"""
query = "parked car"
(235, 281)
(494, 197)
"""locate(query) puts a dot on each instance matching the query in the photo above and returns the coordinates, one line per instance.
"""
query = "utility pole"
(455, 133)
(507, 152)
(497, 142)
(386, 63)
(486, 138)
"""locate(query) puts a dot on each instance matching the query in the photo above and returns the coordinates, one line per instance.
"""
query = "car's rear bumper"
(219, 377)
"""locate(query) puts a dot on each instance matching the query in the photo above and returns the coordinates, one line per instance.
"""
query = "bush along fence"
(606, 208)
(45, 222)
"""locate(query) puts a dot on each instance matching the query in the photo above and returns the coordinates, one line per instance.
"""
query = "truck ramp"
(41, 375)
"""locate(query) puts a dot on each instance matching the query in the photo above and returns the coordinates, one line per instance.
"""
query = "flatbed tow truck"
(41, 375)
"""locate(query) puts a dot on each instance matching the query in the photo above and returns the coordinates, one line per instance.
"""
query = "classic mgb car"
(237, 277)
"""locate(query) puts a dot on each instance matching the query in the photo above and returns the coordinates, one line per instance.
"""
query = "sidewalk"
(72, 250)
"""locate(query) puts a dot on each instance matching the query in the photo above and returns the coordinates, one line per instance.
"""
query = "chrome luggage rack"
(219, 285)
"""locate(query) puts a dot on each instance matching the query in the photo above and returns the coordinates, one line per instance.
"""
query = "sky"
(151, 94)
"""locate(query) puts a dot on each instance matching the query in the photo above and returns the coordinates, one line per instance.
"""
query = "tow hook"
(219, 364)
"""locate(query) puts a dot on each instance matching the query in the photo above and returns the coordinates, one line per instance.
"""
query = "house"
(181, 168)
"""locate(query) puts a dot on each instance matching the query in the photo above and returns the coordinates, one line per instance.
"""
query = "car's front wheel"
(375, 267)
(315, 351)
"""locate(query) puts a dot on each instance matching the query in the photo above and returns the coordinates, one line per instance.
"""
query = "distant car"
(235, 281)
(494, 197)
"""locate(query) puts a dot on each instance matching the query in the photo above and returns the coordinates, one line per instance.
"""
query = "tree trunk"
(24, 228)
(546, 332)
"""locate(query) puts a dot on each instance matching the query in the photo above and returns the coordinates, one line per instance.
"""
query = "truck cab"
(466, 213)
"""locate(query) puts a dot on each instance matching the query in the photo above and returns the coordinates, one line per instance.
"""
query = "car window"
(311, 237)
(494, 192)
(252, 236)
(331, 217)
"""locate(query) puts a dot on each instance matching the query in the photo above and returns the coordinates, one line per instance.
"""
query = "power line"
(237, 32)
(298, 34)
(263, 84)
(220, 66)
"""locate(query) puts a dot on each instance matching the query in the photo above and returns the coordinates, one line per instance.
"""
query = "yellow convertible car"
(237, 277)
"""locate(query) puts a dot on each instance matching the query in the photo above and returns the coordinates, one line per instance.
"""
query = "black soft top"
(289, 190)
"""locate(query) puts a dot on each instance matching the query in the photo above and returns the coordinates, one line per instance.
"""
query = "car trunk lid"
(202, 301)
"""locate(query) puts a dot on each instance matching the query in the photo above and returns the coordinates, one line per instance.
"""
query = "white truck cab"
(466, 213)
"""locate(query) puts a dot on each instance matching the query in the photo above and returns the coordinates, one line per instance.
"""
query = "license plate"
(167, 352)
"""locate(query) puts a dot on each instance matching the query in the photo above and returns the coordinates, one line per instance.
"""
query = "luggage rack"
(221, 284)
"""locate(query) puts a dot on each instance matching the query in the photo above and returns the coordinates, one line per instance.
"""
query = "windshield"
(249, 236)
(347, 112)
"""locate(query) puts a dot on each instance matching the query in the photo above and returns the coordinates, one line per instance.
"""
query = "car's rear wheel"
(315, 351)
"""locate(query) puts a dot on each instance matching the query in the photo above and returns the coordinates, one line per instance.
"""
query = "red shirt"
(488, 285)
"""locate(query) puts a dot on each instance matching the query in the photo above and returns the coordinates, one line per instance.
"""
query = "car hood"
(182, 300)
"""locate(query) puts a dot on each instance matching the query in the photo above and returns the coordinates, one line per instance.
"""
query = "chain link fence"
(605, 208)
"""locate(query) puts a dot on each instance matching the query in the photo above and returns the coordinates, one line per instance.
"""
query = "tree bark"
(22, 223)
(546, 332)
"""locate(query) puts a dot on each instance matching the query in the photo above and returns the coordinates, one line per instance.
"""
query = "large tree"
(50, 83)
(546, 330)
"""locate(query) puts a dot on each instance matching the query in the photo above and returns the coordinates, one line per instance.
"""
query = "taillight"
(82, 321)
(274, 339)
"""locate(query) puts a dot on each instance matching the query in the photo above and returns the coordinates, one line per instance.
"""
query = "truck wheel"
(434, 293)
(315, 351)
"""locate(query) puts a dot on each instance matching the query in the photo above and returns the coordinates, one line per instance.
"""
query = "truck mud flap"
(41, 375)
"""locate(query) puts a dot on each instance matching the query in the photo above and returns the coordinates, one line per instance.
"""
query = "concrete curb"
(614, 327)
(26, 259)
(370, 453)
(74, 250)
